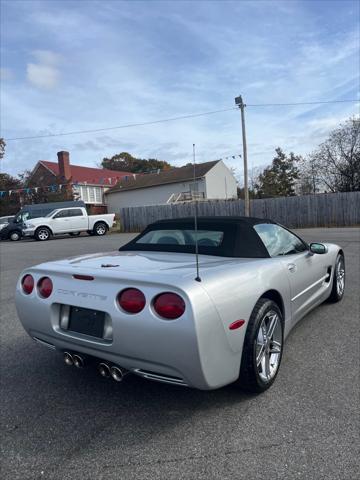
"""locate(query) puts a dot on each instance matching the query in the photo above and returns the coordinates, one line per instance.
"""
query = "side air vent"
(327, 279)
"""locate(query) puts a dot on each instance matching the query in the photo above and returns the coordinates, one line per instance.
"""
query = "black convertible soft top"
(240, 239)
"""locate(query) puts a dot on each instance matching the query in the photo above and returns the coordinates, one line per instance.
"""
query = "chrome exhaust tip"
(78, 361)
(117, 373)
(104, 370)
(68, 359)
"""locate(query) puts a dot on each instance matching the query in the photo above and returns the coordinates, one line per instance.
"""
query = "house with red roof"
(88, 183)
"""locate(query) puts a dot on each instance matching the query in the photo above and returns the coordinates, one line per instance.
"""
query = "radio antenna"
(197, 278)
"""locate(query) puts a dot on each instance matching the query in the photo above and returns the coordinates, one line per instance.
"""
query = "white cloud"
(42, 76)
(44, 73)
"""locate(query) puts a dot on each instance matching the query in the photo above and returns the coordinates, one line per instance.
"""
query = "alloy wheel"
(340, 276)
(100, 230)
(43, 235)
(269, 346)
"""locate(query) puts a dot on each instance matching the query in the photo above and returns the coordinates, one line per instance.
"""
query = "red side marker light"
(236, 324)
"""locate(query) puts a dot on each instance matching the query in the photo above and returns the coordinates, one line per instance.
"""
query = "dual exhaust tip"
(105, 370)
(74, 359)
(116, 373)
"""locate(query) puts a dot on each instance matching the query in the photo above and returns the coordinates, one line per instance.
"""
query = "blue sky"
(92, 64)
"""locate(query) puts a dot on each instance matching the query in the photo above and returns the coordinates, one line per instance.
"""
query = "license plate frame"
(86, 321)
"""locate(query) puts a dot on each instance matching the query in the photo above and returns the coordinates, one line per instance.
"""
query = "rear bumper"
(144, 368)
(193, 348)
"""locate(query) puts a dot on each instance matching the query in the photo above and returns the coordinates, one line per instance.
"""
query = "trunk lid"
(117, 263)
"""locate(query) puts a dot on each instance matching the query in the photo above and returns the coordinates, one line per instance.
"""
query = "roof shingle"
(174, 175)
(90, 175)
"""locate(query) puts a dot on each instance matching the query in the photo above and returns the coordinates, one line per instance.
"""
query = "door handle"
(291, 267)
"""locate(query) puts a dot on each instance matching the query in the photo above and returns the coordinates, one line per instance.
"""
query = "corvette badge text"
(74, 293)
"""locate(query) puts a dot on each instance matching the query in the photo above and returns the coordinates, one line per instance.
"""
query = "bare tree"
(337, 160)
(308, 182)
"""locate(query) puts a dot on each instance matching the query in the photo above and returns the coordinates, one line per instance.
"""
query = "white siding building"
(213, 181)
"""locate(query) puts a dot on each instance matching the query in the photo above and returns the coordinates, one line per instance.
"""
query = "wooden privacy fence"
(321, 210)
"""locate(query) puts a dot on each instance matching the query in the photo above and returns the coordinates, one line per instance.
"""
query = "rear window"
(205, 238)
(215, 236)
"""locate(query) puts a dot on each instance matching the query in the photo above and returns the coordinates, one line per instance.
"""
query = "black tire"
(15, 236)
(74, 234)
(100, 229)
(250, 379)
(90, 232)
(42, 234)
(337, 293)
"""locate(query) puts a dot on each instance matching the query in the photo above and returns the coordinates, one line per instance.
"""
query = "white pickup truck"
(68, 220)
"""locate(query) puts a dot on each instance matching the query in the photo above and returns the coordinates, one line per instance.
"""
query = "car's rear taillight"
(27, 284)
(45, 287)
(131, 300)
(169, 305)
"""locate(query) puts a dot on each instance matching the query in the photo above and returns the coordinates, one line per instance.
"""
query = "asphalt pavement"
(63, 423)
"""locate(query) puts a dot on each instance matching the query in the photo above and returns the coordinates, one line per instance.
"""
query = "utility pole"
(241, 105)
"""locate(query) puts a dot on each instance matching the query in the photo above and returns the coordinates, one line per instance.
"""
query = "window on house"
(91, 191)
(84, 194)
(98, 195)
(91, 194)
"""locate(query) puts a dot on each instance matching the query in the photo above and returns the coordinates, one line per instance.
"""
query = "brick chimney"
(64, 165)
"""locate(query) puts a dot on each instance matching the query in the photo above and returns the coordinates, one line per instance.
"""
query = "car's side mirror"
(318, 248)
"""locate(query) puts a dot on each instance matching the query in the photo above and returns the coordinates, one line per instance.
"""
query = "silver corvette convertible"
(199, 306)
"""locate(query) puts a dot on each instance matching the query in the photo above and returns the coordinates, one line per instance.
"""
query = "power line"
(297, 103)
(141, 124)
(172, 119)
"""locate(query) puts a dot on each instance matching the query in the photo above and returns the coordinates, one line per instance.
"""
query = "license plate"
(86, 321)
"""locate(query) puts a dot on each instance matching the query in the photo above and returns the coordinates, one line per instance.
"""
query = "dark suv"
(13, 230)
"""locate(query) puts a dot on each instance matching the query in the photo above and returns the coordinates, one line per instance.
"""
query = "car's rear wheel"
(74, 234)
(15, 236)
(42, 234)
(338, 284)
(100, 229)
(263, 347)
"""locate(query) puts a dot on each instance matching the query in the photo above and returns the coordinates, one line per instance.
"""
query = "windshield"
(50, 213)
(21, 217)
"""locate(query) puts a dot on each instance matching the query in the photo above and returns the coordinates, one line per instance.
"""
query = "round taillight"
(27, 284)
(45, 287)
(131, 300)
(169, 305)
